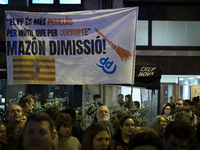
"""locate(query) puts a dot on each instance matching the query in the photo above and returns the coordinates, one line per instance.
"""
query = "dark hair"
(192, 103)
(61, 119)
(53, 112)
(38, 117)
(96, 96)
(187, 101)
(91, 132)
(182, 116)
(182, 101)
(118, 135)
(120, 95)
(195, 99)
(71, 111)
(129, 97)
(24, 99)
(168, 104)
(137, 103)
(146, 137)
(119, 114)
(178, 129)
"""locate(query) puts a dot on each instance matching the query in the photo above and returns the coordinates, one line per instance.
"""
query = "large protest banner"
(85, 47)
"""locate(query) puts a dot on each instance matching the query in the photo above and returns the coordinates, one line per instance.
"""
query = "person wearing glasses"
(124, 132)
(166, 112)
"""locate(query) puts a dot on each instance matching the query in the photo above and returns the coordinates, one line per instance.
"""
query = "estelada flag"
(34, 69)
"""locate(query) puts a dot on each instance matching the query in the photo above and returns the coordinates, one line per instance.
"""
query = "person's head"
(2, 133)
(71, 111)
(125, 128)
(177, 135)
(180, 105)
(120, 98)
(182, 116)
(166, 109)
(193, 107)
(136, 104)
(96, 138)
(128, 98)
(63, 125)
(187, 105)
(97, 98)
(38, 132)
(195, 100)
(159, 124)
(103, 114)
(171, 99)
(116, 116)
(27, 103)
(53, 112)
(14, 114)
(146, 137)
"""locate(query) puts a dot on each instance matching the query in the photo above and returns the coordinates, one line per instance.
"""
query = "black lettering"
(80, 49)
(41, 47)
(52, 45)
(11, 49)
(21, 48)
(66, 49)
(28, 47)
(34, 48)
(87, 48)
(98, 46)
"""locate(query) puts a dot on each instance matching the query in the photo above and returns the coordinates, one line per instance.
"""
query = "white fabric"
(113, 31)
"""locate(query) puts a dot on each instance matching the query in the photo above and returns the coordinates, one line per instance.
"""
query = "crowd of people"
(177, 129)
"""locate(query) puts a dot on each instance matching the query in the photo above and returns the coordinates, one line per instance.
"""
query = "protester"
(136, 104)
(63, 125)
(15, 126)
(182, 116)
(128, 100)
(145, 139)
(103, 117)
(53, 112)
(119, 104)
(38, 133)
(27, 103)
(3, 145)
(159, 124)
(177, 135)
(97, 103)
(180, 105)
(193, 109)
(166, 111)
(76, 130)
(97, 138)
(124, 132)
(116, 116)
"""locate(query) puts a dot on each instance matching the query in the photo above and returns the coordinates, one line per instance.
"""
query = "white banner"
(85, 47)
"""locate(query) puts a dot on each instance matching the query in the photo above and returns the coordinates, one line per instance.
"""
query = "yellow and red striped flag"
(34, 69)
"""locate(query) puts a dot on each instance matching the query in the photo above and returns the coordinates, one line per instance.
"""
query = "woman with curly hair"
(124, 132)
(166, 112)
(96, 138)
(159, 124)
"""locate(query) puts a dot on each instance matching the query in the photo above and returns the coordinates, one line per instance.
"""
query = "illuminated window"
(43, 1)
(70, 1)
(3, 2)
